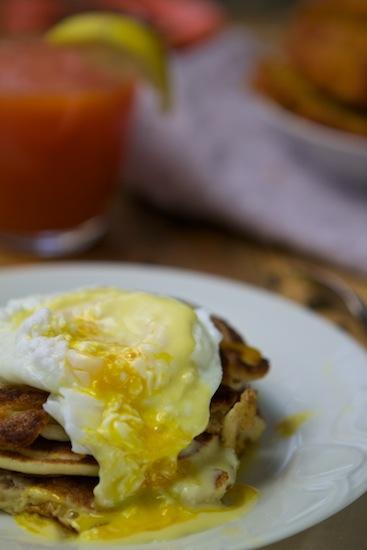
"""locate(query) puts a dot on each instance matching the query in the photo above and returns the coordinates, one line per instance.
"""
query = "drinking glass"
(64, 126)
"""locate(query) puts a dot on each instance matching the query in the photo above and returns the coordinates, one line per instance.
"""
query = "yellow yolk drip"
(291, 424)
(42, 527)
(146, 520)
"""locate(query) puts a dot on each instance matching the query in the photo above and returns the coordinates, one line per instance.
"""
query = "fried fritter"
(241, 363)
(234, 416)
(322, 74)
(22, 417)
(327, 43)
(319, 8)
(279, 80)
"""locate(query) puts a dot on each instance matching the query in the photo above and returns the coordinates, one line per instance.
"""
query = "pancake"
(47, 478)
(63, 499)
(69, 500)
(48, 458)
(54, 432)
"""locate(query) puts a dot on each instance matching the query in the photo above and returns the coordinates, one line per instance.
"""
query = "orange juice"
(64, 124)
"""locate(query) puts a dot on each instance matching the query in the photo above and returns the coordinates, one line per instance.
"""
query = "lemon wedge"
(125, 36)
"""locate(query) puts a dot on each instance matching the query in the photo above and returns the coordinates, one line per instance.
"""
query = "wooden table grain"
(141, 234)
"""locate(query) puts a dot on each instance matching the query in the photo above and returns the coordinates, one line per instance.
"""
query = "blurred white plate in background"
(341, 154)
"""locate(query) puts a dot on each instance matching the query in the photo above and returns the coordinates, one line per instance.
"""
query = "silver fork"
(352, 301)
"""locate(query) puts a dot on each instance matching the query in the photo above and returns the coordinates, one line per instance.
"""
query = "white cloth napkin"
(214, 158)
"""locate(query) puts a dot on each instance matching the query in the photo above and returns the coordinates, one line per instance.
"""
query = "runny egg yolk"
(146, 520)
(132, 389)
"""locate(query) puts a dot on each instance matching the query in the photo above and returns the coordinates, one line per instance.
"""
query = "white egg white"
(177, 357)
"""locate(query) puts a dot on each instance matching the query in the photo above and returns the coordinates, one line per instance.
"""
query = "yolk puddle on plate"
(291, 424)
(145, 522)
(42, 527)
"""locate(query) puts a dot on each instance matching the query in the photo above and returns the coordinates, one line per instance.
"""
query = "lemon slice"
(122, 34)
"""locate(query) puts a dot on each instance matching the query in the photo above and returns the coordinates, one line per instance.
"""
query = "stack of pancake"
(40, 474)
(322, 72)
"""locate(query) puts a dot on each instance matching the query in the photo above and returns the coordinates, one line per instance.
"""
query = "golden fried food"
(327, 42)
(322, 73)
(279, 80)
(334, 7)
(22, 417)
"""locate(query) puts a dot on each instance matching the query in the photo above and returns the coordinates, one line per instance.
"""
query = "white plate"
(342, 154)
(315, 367)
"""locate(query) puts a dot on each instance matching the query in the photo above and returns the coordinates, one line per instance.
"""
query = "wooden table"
(140, 234)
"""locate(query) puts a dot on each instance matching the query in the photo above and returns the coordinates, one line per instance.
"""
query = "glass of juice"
(64, 126)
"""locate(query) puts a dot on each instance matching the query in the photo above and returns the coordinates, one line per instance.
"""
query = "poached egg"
(130, 377)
